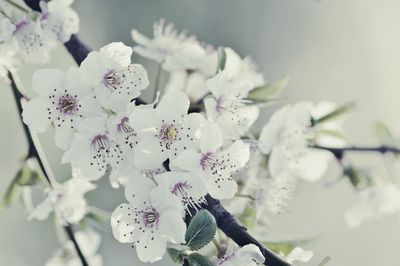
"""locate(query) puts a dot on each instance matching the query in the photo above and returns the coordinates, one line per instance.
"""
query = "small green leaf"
(384, 135)
(201, 230)
(13, 192)
(268, 92)
(285, 247)
(335, 113)
(195, 259)
(325, 261)
(221, 59)
(27, 177)
(176, 255)
(357, 177)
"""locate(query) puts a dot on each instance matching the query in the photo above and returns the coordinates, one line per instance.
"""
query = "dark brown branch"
(339, 152)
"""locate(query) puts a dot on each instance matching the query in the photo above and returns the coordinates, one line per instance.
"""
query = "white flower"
(33, 46)
(248, 255)
(8, 60)
(285, 139)
(114, 79)
(374, 202)
(58, 19)
(166, 130)
(166, 41)
(93, 149)
(62, 101)
(299, 254)
(242, 70)
(89, 242)
(152, 218)
(66, 200)
(190, 190)
(227, 108)
(213, 164)
(7, 29)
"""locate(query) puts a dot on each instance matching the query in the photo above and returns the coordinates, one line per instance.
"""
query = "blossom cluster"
(29, 36)
(194, 141)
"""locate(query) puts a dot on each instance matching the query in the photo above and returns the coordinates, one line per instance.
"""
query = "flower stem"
(33, 153)
(17, 6)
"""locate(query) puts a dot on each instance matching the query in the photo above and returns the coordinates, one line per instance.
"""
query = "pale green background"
(337, 50)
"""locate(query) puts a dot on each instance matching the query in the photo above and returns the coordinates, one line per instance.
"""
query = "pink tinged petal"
(119, 52)
(151, 247)
(172, 227)
(211, 138)
(174, 105)
(137, 190)
(122, 223)
(149, 153)
(36, 115)
(221, 187)
(45, 81)
(188, 160)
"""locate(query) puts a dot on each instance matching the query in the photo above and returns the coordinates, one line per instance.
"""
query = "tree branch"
(339, 152)
(238, 233)
(33, 153)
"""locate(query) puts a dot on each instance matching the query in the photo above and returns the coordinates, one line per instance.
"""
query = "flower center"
(67, 104)
(123, 126)
(112, 80)
(100, 142)
(167, 134)
(207, 161)
(150, 217)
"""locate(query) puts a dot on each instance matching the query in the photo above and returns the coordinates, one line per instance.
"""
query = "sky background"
(335, 50)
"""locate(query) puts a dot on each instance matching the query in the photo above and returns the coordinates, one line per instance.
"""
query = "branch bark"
(339, 152)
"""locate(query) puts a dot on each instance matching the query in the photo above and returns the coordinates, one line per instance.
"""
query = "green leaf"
(195, 259)
(332, 133)
(201, 230)
(221, 59)
(268, 92)
(357, 177)
(325, 261)
(27, 177)
(384, 135)
(13, 192)
(335, 113)
(285, 247)
(176, 255)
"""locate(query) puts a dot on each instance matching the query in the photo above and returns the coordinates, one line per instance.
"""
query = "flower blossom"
(152, 218)
(89, 242)
(213, 164)
(165, 131)
(374, 202)
(115, 81)
(63, 100)
(66, 200)
(248, 255)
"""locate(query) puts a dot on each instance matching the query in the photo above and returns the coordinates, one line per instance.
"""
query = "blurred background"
(335, 50)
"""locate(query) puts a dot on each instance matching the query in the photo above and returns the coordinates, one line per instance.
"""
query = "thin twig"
(339, 152)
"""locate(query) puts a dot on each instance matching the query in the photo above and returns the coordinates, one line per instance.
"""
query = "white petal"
(173, 105)
(138, 189)
(63, 135)
(298, 254)
(151, 247)
(211, 138)
(44, 81)
(251, 252)
(36, 115)
(172, 227)
(163, 200)
(43, 210)
(119, 52)
(221, 187)
(122, 223)
(188, 160)
(313, 164)
(148, 153)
